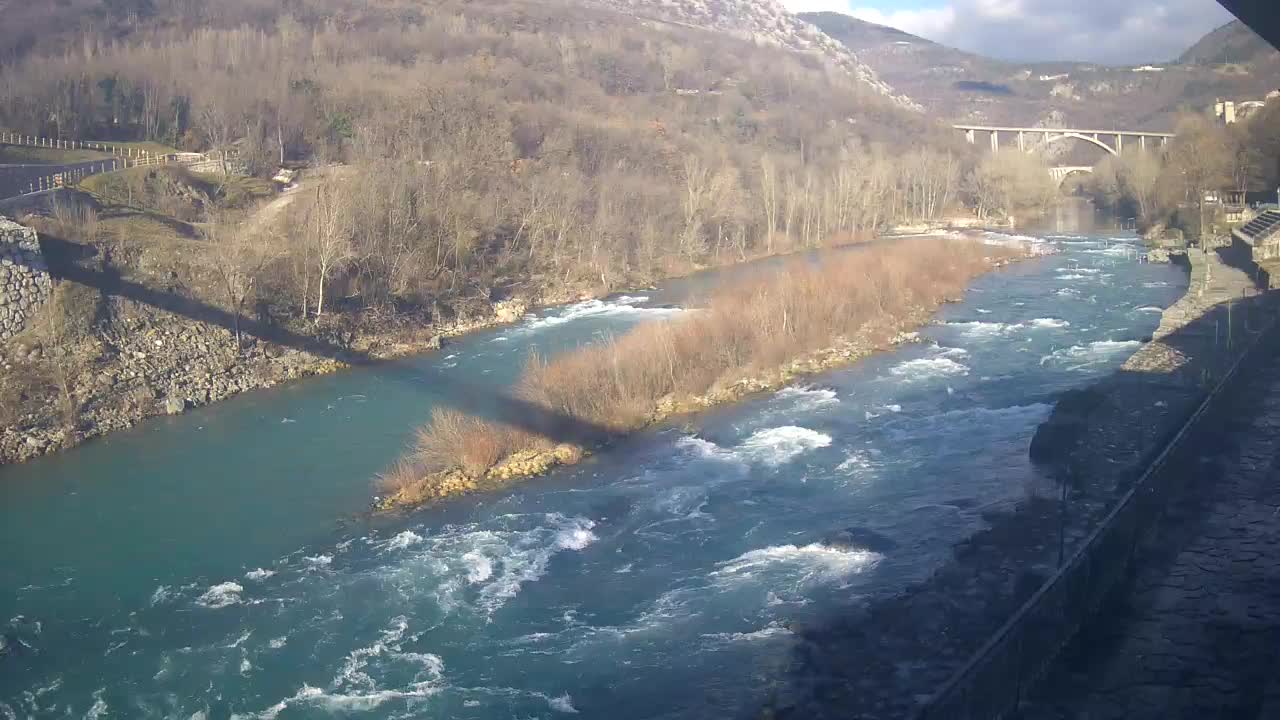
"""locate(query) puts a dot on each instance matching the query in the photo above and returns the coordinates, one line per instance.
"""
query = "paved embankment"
(885, 661)
(1128, 417)
(1197, 632)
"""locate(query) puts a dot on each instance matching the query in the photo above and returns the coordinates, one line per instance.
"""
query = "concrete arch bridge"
(1061, 172)
(1111, 141)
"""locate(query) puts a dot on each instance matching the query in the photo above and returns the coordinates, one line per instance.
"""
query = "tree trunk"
(320, 292)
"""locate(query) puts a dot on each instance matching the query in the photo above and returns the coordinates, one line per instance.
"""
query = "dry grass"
(457, 439)
(76, 218)
(454, 439)
(864, 297)
(753, 327)
(399, 478)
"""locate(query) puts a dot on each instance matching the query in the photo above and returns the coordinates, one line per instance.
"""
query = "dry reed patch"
(857, 299)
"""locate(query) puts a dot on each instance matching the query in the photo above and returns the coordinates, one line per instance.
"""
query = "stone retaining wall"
(25, 283)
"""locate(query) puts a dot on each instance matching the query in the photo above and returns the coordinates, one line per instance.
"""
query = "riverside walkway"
(1109, 444)
(1196, 634)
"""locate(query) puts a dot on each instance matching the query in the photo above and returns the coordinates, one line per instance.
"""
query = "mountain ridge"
(967, 87)
(1231, 42)
(764, 21)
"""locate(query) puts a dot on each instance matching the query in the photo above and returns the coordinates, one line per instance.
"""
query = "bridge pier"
(1022, 142)
(968, 135)
(995, 141)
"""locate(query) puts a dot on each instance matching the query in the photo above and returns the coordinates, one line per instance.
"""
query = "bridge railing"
(66, 178)
(997, 678)
(125, 157)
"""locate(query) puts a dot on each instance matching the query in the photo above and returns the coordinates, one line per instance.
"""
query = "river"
(216, 565)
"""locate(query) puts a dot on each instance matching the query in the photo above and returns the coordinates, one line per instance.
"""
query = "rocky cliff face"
(24, 280)
(762, 21)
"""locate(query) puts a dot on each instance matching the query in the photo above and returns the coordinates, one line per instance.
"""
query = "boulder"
(175, 405)
(436, 342)
(511, 310)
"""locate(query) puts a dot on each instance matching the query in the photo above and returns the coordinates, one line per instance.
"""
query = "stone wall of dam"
(25, 282)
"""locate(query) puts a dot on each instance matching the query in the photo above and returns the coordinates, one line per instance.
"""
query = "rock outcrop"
(509, 311)
(153, 362)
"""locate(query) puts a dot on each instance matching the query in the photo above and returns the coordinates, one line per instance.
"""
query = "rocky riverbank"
(157, 363)
(154, 363)
(135, 361)
(888, 657)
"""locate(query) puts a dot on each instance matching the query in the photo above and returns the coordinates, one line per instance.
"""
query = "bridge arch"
(1086, 138)
(1061, 173)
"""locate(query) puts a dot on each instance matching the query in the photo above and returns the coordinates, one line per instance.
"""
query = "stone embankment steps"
(1212, 282)
(1200, 334)
(1197, 635)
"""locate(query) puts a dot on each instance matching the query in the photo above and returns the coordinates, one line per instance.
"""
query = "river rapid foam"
(684, 558)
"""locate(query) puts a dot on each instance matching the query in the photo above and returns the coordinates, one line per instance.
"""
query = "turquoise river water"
(218, 565)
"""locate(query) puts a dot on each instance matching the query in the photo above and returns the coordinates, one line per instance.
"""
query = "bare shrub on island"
(809, 315)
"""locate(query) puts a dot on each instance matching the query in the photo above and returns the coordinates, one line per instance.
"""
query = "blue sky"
(1105, 31)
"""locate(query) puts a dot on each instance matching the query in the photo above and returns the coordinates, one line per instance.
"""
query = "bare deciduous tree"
(330, 228)
(237, 260)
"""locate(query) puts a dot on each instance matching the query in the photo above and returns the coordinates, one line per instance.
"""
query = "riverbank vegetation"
(500, 147)
(748, 336)
(1182, 185)
(455, 155)
(1009, 184)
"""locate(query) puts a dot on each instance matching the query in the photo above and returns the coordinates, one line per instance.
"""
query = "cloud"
(1106, 31)
(925, 22)
(799, 6)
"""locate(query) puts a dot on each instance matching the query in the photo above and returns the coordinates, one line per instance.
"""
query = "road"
(17, 179)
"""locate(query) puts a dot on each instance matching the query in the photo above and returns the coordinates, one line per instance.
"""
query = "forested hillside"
(550, 137)
(492, 149)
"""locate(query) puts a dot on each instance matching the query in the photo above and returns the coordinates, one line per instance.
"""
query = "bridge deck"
(1041, 130)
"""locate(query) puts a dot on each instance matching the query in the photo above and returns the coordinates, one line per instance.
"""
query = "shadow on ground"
(71, 262)
(1186, 636)
(883, 658)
